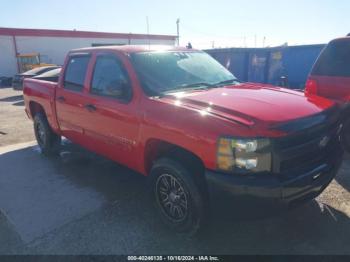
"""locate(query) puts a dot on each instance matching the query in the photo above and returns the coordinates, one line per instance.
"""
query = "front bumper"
(258, 192)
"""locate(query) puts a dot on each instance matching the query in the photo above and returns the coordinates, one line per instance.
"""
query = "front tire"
(47, 140)
(176, 196)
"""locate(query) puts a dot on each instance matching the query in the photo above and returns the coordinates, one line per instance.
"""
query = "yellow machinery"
(30, 61)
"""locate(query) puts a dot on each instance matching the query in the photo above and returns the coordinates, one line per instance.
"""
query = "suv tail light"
(311, 87)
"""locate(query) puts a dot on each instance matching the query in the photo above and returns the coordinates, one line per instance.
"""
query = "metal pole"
(178, 31)
(16, 53)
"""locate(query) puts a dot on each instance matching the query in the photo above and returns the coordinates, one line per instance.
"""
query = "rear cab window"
(75, 72)
(334, 60)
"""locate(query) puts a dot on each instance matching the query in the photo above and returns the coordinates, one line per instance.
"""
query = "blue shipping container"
(269, 65)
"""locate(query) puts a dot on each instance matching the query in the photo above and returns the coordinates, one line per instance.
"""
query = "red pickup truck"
(330, 78)
(179, 117)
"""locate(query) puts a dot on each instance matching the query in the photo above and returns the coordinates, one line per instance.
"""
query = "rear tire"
(176, 197)
(345, 136)
(47, 140)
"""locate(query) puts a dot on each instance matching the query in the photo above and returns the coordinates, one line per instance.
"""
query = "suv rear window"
(334, 60)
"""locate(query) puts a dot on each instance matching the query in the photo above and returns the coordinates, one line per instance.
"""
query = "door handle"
(90, 107)
(61, 99)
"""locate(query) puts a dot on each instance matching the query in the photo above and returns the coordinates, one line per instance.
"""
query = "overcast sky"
(222, 23)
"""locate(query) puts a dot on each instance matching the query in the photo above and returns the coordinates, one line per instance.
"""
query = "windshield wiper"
(199, 86)
(194, 85)
(189, 87)
(226, 82)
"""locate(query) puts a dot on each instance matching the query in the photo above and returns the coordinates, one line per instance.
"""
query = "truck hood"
(250, 103)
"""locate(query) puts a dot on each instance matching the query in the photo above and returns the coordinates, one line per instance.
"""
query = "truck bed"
(43, 93)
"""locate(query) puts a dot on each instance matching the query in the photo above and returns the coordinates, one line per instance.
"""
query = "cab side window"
(74, 76)
(110, 79)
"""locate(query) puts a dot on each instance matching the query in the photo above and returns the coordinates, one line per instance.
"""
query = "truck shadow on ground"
(12, 98)
(20, 103)
(126, 222)
(16, 100)
(310, 229)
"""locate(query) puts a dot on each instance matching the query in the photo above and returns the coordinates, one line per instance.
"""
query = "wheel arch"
(35, 108)
(156, 149)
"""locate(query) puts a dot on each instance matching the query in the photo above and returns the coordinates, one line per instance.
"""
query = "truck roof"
(133, 48)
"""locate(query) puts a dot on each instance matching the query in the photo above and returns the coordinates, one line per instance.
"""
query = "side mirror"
(119, 88)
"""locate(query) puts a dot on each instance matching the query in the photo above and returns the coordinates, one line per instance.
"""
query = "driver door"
(113, 127)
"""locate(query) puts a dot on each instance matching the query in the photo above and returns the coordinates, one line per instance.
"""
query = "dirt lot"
(14, 127)
(80, 203)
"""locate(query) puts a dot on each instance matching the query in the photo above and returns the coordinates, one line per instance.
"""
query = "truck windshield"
(175, 71)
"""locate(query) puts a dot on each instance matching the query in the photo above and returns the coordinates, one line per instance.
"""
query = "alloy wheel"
(172, 197)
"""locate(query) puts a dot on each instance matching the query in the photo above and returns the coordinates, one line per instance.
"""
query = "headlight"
(244, 155)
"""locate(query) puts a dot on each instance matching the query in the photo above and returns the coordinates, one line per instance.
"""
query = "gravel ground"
(14, 126)
(80, 203)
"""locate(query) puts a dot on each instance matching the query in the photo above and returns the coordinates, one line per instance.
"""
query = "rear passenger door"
(70, 98)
